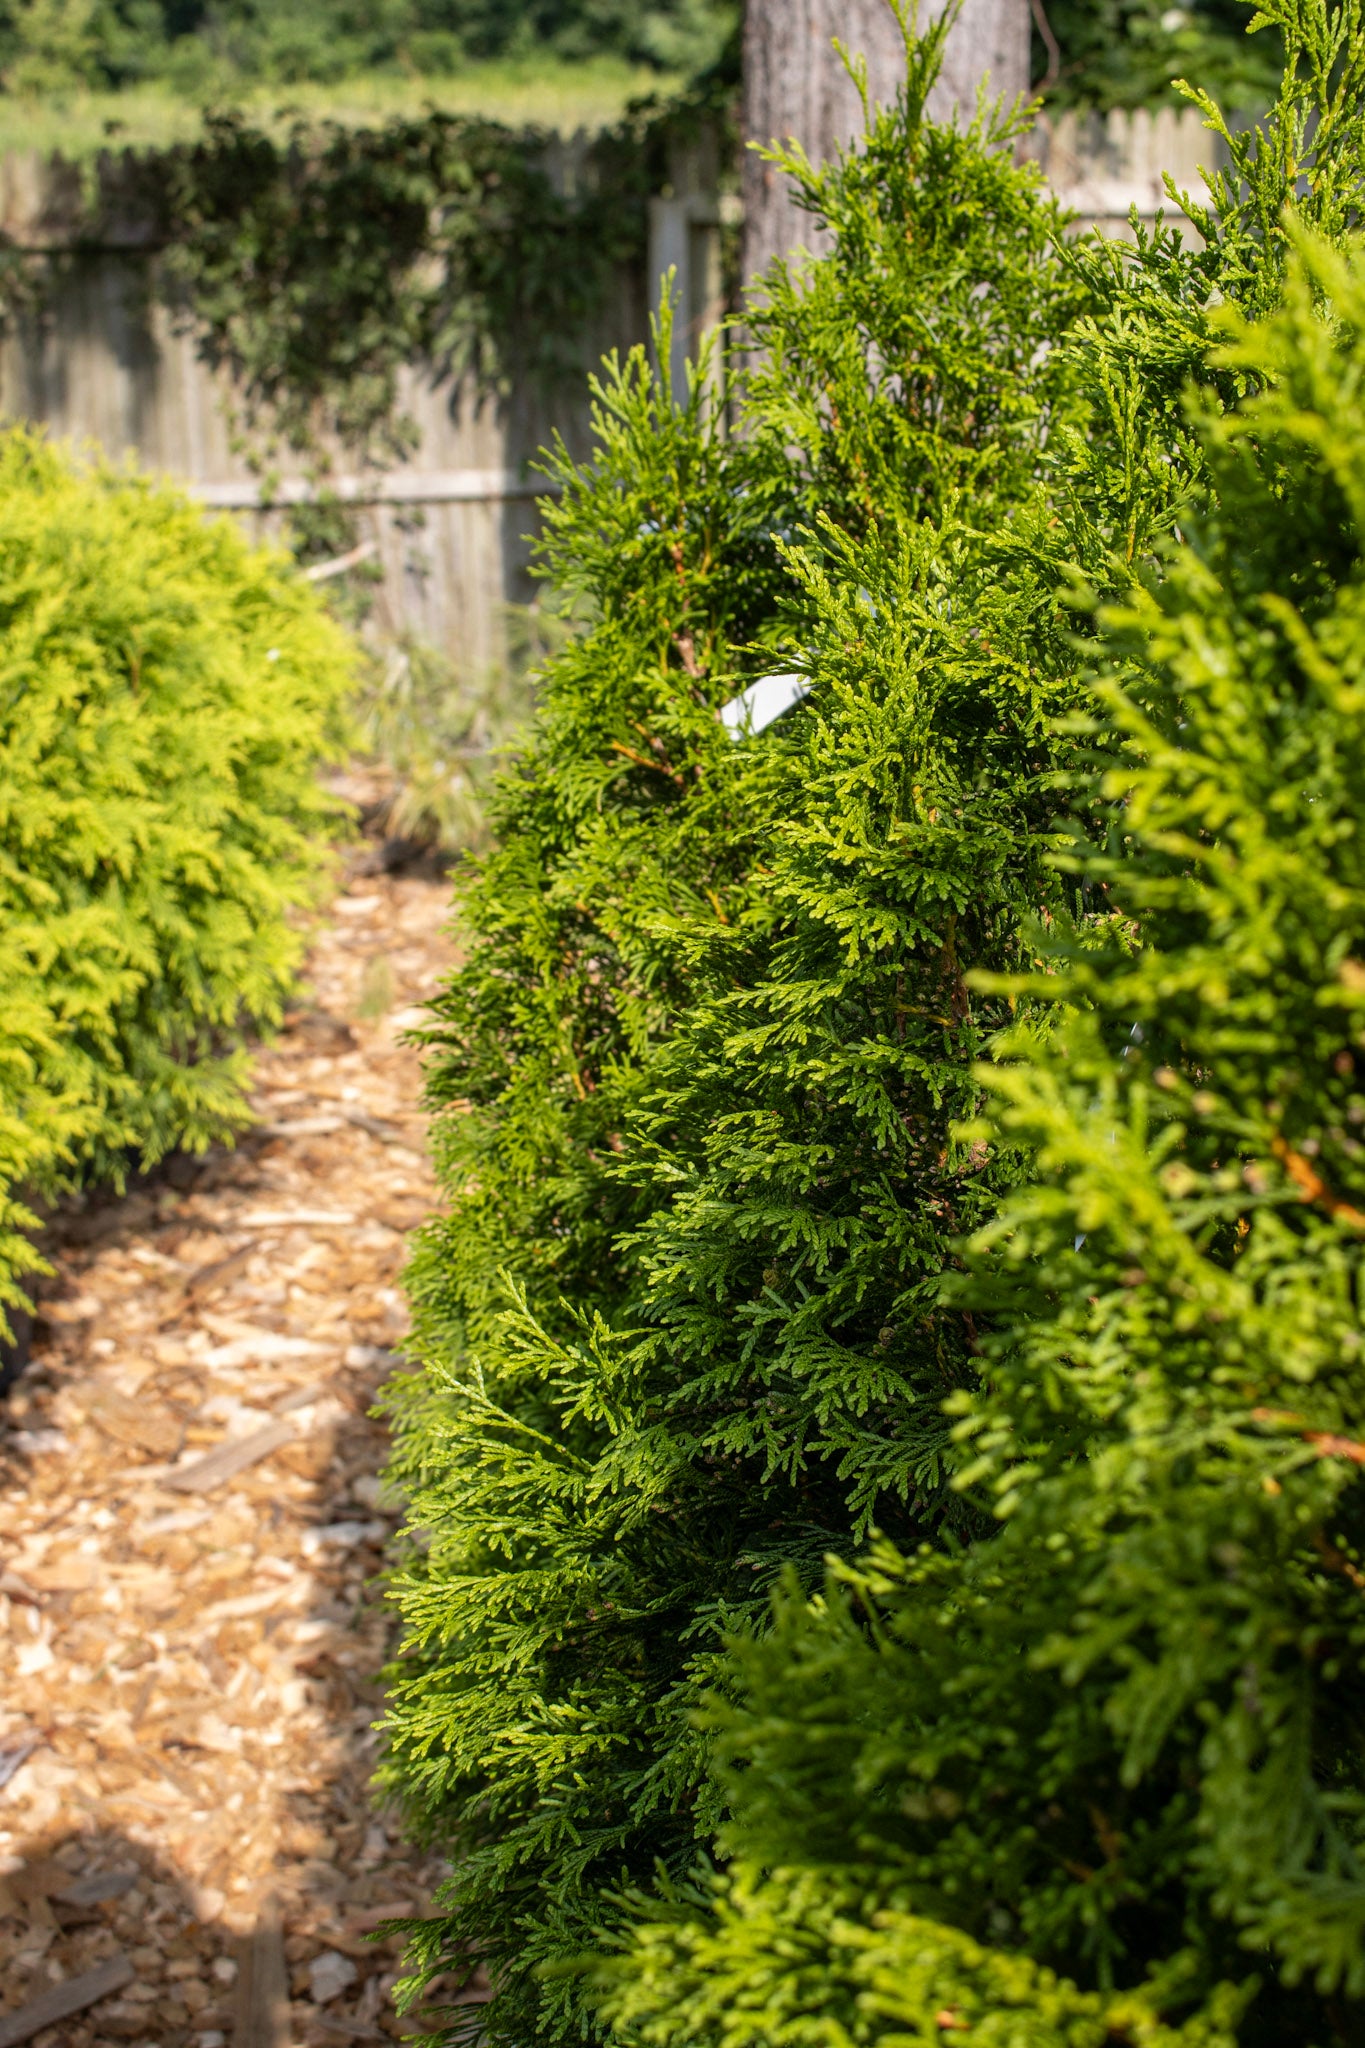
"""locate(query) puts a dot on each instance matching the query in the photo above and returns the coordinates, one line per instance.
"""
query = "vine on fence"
(315, 266)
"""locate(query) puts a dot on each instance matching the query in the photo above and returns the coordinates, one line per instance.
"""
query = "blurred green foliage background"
(1112, 52)
(1124, 53)
(206, 45)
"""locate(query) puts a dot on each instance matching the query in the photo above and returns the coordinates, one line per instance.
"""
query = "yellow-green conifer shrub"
(167, 692)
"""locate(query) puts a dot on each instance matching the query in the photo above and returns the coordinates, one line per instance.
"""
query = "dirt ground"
(188, 1641)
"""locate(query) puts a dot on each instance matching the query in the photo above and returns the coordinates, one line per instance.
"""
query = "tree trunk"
(795, 85)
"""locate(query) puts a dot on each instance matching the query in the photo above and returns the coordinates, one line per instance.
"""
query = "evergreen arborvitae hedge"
(706, 1068)
(166, 695)
(1119, 1738)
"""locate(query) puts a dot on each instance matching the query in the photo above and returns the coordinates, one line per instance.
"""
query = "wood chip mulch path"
(191, 1520)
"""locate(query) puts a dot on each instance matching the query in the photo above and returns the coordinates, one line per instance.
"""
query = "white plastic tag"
(761, 703)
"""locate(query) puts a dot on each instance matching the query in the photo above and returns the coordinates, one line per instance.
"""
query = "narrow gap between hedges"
(186, 1657)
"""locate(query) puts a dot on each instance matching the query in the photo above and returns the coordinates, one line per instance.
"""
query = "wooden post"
(795, 84)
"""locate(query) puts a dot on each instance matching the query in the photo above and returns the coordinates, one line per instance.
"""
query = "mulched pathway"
(191, 1520)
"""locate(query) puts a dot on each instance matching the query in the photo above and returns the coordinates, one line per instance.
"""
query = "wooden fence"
(1104, 165)
(101, 360)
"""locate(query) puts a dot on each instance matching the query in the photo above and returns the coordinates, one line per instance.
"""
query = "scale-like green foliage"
(595, 1496)
(829, 1959)
(1119, 1737)
(682, 1330)
(166, 693)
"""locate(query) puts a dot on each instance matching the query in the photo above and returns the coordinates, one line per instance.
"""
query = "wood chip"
(40, 1879)
(257, 1344)
(145, 1425)
(65, 1999)
(305, 1396)
(231, 1458)
(353, 2030)
(287, 1219)
(218, 1272)
(67, 1575)
(15, 1754)
(301, 1127)
(243, 1604)
(401, 1220)
(371, 1917)
(262, 2019)
(93, 1891)
(387, 1133)
(181, 1780)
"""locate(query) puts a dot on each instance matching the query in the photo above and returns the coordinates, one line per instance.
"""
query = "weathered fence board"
(1104, 165)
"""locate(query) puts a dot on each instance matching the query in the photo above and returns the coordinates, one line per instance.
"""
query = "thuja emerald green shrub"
(586, 1518)
(1096, 1776)
(703, 1073)
(167, 693)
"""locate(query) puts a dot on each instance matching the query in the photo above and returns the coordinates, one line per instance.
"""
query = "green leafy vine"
(315, 266)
